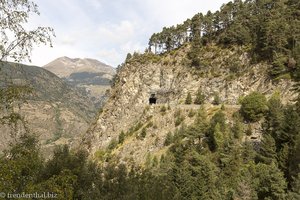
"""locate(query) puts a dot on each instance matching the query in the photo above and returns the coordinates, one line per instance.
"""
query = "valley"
(56, 112)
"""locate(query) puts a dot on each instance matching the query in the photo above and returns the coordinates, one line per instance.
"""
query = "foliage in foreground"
(206, 160)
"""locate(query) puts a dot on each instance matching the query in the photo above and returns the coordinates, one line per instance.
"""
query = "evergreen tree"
(267, 153)
(218, 137)
(238, 127)
(283, 158)
(295, 191)
(270, 182)
(128, 57)
(20, 165)
(275, 119)
(294, 158)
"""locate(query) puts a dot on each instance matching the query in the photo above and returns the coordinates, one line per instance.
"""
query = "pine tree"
(267, 153)
(295, 191)
(218, 137)
(275, 119)
(283, 158)
(270, 182)
(238, 127)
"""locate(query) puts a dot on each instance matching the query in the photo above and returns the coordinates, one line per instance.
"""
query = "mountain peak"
(65, 66)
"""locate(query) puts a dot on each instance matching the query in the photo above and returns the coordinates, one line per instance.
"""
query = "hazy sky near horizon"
(107, 30)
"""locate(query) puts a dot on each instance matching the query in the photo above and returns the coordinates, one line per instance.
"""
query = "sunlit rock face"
(170, 78)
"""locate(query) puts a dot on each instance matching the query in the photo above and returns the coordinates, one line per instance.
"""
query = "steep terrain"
(227, 73)
(93, 76)
(210, 111)
(56, 112)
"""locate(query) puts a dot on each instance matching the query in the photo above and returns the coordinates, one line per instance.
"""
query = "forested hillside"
(206, 160)
(269, 28)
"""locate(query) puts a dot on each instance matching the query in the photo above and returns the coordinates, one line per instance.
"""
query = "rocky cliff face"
(227, 73)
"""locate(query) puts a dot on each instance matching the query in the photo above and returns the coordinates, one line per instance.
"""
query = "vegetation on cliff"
(209, 159)
(268, 29)
(206, 160)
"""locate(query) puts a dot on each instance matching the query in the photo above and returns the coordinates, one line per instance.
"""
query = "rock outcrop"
(223, 72)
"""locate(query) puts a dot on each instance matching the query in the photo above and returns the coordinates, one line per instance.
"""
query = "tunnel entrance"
(152, 99)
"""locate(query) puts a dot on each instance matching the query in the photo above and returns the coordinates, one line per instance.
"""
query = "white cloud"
(96, 4)
(107, 30)
(116, 33)
(67, 40)
(109, 55)
(130, 47)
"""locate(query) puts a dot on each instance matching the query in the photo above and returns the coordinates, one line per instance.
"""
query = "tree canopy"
(17, 40)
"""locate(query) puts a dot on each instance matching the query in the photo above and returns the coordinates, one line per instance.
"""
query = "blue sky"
(108, 29)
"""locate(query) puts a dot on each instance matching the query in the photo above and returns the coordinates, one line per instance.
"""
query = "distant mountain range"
(67, 93)
(64, 67)
(57, 112)
(91, 75)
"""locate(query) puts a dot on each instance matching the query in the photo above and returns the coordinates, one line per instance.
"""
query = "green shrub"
(249, 130)
(121, 137)
(143, 133)
(217, 99)
(163, 110)
(113, 144)
(169, 139)
(200, 97)
(188, 99)
(177, 113)
(100, 155)
(222, 107)
(278, 66)
(169, 107)
(254, 106)
(150, 124)
(240, 100)
(191, 113)
(178, 120)
(134, 128)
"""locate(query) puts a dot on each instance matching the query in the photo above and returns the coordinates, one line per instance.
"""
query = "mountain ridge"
(90, 75)
(57, 112)
(73, 65)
